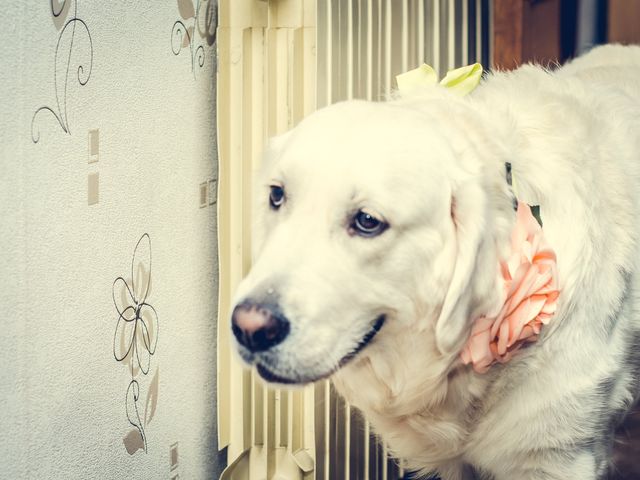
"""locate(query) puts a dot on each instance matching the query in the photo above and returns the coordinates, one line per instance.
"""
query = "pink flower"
(531, 293)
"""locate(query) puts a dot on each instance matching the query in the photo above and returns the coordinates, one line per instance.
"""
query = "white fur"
(432, 165)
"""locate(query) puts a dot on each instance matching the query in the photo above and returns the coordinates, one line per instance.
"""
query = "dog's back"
(617, 65)
(608, 65)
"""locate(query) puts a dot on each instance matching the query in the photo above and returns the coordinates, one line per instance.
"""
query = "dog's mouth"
(272, 377)
(377, 325)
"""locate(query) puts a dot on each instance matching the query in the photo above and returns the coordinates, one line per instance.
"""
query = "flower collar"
(530, 282)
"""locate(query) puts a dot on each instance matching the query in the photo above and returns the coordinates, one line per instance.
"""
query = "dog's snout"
(258, 327)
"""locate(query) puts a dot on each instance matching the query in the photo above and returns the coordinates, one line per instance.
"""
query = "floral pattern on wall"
(200, 18)
(135, 341)
(65, 37)
(73, 59)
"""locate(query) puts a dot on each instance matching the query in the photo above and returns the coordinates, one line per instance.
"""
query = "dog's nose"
(258, 327)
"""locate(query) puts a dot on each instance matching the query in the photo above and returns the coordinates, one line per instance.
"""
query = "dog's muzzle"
(270, 376)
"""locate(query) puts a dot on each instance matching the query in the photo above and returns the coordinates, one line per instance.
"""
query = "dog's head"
(371, 219)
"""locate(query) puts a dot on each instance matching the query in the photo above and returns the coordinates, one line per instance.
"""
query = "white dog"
(381, 231)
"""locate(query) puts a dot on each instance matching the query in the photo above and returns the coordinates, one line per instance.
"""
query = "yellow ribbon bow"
(460, 81)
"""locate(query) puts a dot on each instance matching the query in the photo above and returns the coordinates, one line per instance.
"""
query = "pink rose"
(531, 292)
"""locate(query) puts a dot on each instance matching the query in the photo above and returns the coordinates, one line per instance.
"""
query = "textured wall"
(108, 239)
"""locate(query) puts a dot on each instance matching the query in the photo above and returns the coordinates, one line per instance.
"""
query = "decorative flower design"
(531, 293)
(136, 337)
(205, 24)
(71, 31)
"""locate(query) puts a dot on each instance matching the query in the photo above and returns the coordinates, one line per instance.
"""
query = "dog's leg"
(457, 471)
(553, 465)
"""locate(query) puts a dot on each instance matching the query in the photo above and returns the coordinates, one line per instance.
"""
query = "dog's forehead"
(353, 137)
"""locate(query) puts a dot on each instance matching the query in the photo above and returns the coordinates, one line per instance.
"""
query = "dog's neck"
(421, 404)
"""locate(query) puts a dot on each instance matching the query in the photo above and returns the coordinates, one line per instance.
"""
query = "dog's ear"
(468, 206)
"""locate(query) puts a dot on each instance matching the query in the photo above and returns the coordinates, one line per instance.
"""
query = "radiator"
(278, 61)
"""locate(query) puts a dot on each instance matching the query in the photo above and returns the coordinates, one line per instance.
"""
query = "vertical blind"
(279, 60)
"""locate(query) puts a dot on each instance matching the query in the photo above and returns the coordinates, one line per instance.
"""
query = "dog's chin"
(272, 377)
(269, 375)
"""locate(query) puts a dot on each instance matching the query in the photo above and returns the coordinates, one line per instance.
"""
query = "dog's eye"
(366, 224)
(276, 196)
